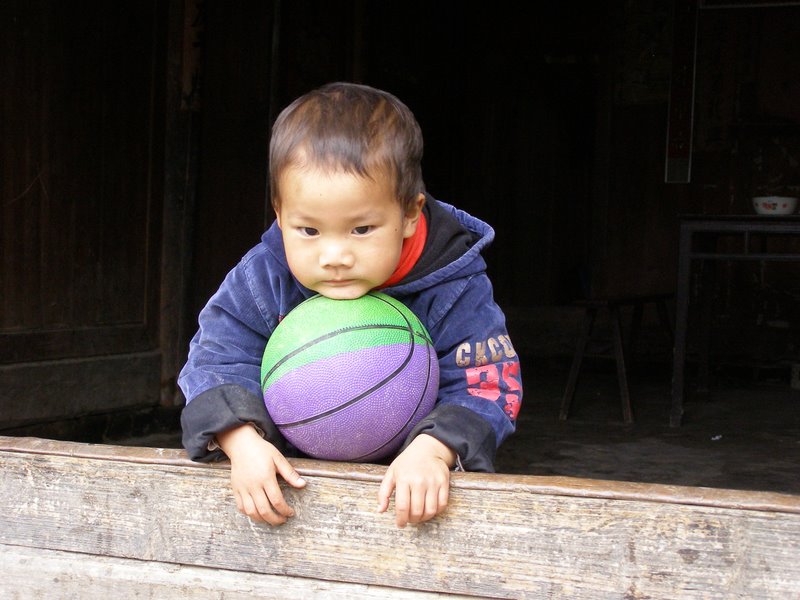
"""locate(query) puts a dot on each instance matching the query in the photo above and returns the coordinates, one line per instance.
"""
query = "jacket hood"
(470, 263)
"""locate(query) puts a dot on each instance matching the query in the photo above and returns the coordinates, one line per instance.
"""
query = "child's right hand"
(255, 465)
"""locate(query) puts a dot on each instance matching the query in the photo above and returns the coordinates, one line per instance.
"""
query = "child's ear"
(412, 216)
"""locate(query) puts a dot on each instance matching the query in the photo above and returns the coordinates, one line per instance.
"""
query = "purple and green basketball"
(349, 379)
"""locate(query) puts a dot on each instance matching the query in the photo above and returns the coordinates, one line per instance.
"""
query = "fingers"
(265, 502)
(256, 465)
(264, 506)
(385, 491)
(410, 506)
(444, 496)
(286, 470)
(430, 508)
(418, 504)
(402, 505)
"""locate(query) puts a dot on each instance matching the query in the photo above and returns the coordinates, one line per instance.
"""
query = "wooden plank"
(63, 389)
(80, 154)
(35, 573)
(566, 486)
(502, 536)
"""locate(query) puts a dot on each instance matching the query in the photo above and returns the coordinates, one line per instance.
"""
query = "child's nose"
(335, 254)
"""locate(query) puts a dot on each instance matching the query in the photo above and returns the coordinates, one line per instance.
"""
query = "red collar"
(410, 253)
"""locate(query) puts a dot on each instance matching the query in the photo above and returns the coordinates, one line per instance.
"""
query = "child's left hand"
(420, 479)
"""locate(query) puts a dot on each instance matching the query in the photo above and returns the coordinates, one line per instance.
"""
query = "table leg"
(622, 374)
(704, 331)
(580, 350)
(681, 326)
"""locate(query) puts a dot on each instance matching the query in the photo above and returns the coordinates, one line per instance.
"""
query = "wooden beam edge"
(45, 573)
(534, 484)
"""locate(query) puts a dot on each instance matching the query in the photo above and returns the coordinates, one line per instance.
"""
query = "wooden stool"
(612, 305)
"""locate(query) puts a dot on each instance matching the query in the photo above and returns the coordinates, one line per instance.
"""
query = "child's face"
(343, 233)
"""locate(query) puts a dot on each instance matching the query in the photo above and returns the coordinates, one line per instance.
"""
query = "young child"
(352, 215)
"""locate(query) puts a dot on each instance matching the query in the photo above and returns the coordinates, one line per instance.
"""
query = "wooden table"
(692, 227)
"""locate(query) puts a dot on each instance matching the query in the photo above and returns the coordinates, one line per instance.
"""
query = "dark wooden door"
(80, 207)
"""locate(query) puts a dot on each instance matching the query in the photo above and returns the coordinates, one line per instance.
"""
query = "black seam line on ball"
(411, 418)
(364, 394)
(426, 337)
(327, 336)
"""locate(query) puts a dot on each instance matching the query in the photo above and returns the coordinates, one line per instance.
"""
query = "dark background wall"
(134, 141)
(507, 105)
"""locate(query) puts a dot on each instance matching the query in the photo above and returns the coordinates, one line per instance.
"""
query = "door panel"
(80, 213)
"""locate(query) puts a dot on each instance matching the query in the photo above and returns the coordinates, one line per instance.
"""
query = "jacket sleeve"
(480, 385)
(221, 378)
(219, 409)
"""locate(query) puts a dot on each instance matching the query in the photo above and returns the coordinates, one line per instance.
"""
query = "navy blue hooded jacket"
(480, 389)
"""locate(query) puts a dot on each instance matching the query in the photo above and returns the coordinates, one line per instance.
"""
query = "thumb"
(385, 491)
(288, 472)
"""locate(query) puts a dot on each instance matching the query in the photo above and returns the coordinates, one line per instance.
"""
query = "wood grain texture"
(71, 388)
(79, 171)
(71, 576)
(502, 536)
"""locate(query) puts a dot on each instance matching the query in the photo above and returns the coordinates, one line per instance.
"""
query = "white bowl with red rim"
(774, 205)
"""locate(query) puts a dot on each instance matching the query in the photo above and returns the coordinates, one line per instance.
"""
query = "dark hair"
(351, 127)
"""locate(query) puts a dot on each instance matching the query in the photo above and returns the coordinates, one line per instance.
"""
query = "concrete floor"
(743, 434)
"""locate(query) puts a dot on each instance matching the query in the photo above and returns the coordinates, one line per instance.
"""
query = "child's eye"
(308, 231)
(362, 230)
